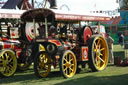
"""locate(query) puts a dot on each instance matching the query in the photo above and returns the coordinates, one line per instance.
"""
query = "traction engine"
(58, 39)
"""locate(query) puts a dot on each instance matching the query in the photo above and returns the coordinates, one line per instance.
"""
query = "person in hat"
(110, 42)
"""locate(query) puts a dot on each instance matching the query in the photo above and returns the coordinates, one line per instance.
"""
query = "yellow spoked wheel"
(68, 64)
(42, 64)
(98, 53)
(8, 63)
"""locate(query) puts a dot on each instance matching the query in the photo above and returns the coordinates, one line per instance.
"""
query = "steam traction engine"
(58, 38)
(14, 53)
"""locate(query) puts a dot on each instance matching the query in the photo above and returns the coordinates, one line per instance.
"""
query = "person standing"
(110, 42)
(121, 40)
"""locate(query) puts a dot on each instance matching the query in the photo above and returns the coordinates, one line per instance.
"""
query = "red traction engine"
(14, 54)
(59, 40)
(8, 60)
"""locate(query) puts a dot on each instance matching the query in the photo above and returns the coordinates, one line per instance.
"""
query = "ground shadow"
(28, 76)
(93, 80)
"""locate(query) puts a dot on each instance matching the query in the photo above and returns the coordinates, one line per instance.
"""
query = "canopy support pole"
(98, 26)
(46, 28)
(34, 29)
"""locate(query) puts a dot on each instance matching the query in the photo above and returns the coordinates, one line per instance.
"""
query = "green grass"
(112, 75)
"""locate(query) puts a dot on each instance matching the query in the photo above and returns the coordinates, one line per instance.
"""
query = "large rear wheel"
(98, 53)
(68, 64)
(8, 63)
(42, 64)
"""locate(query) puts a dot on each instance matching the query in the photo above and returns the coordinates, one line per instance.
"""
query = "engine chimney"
(53, 4)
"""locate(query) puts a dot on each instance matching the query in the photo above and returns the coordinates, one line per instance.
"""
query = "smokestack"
(53, 4)
(33, 4)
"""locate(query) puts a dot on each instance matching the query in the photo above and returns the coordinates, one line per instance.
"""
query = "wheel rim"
(100, 53)
(44, 66)
(8, 63)
(69, 64)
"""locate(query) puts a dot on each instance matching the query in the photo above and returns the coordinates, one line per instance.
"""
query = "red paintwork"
(56, 42)
(18, 52)
(84, 53)
(29, 38)
(7, 45)
(63, 15)
(13, 34)
(87, 34)
(80, 17)
(11, 44)
(10, 15)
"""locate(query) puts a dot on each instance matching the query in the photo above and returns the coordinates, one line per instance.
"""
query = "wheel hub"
(98, 52)
(67, 64)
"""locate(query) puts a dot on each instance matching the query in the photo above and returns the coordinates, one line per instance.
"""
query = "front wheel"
(8, 63)
(42, 64)
(68, 64)
(98, 53)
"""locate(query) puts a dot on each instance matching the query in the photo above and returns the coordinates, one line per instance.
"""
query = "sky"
(87, 5)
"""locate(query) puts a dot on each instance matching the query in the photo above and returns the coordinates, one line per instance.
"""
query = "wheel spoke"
(2, 57)
(98, 42)
(101, 54)
(10, 59)
(96, 60)
(102, 49)
(65, 60)
(45, 60)
(69, 57)
(64, 64)
(70, 60)
(65, 69)
(95, 45)
(7, 56)
(70, 69)
(72, 64)
(43, 57)
(101, 59)
(10, 66)
(99, 46)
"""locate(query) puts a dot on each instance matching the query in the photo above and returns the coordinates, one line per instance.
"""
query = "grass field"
(112, 75)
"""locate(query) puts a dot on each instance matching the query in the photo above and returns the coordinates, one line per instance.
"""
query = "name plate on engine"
(84, 53)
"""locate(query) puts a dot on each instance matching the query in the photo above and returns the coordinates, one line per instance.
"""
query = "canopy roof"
(11, 13)
(40, 14)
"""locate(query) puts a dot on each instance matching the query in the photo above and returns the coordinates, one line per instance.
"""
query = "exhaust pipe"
(53, 4)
